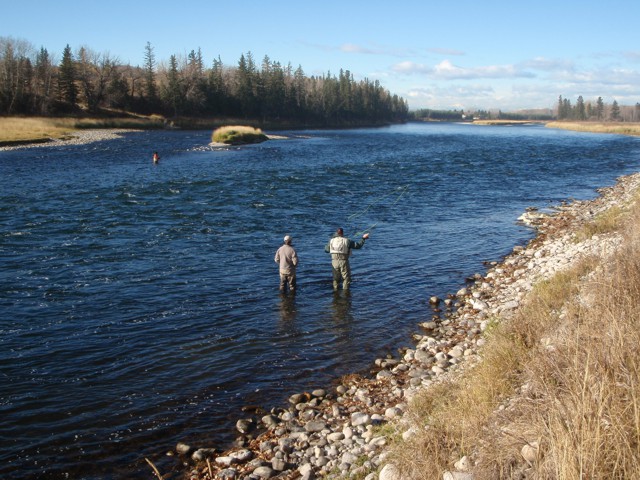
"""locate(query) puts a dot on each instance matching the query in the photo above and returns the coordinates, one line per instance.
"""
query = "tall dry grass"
(561, 379)
(18, 129)
(40, 129)
(622, 128)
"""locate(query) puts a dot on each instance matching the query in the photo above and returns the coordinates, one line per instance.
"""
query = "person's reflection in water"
(287, 308)
(341, 308)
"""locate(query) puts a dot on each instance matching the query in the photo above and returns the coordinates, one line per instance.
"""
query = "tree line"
(598, 111)
(33, 83)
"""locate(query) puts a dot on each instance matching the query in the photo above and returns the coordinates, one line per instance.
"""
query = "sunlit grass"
(32, 129)
(16, 130)
(622, 128)
(237, 135)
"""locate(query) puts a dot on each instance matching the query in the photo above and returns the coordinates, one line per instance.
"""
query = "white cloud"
(411, 68)
(632, 56)
(353, 48)
(446, 70)
(549, 65)
(446, 51)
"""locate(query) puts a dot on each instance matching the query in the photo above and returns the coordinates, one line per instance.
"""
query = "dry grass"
(561, 377)
(16, 130)
(237, 135)
(607, 222)
(506, 122)
(621, 128)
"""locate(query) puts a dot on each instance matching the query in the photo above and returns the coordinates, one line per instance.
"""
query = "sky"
(445, 54)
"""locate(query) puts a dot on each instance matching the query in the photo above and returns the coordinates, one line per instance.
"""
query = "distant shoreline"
(86, 136)
(619, 128)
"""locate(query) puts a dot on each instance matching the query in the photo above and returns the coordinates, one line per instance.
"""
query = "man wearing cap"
(340, 249)
(287, 258)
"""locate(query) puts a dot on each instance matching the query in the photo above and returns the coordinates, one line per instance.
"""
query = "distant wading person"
(287, 258)
(156, 157)
(340, 249)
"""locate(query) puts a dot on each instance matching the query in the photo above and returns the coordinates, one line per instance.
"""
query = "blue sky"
(470, 54)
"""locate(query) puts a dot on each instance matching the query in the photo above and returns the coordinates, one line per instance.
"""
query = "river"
(139, 303)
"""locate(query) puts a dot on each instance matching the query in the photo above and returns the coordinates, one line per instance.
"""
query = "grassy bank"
(505, 122)
(23, 130)
(557, 392)
(593, 127)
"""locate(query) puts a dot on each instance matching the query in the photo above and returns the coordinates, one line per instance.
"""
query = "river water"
(139, 303)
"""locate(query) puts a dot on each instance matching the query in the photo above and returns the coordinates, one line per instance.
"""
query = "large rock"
(390, 472)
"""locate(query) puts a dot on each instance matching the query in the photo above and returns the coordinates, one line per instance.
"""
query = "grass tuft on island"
(238, 135)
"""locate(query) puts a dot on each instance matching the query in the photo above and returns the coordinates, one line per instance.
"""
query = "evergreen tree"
(194, 82)
(43, 82)
(615, 111)
(560, 108)
(151, 92)
(172, 93)
(567, 109)
(246, 83)
(216, 89)
(600, 108)
(67, 89)
(580, 109)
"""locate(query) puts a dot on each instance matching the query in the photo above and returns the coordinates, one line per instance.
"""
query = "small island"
(238, 135)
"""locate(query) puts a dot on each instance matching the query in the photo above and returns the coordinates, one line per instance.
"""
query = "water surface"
(139, 303)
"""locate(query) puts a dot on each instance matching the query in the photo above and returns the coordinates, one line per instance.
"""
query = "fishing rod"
(401, 190)
(366, 230)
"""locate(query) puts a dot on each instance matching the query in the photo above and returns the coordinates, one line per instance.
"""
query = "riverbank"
(80, 137)
(620, 128)
(65, 132)
(411, 418)
(21, 132)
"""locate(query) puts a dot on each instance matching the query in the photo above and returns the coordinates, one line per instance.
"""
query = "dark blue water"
(139, 303)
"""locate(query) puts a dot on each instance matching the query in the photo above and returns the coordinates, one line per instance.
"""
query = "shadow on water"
(341, 310)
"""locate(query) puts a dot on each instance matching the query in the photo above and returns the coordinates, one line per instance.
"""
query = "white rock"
(392, 412)
(335, 436)
(479, 305)
(242, 456)
(263, 472)
(530, 452)
(358, 419)
(389, 472)
(463, 464)
(225, 461)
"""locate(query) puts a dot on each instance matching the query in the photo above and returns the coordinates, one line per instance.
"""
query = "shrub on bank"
(238, 135)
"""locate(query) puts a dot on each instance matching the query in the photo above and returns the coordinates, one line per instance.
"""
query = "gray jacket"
(287, 257)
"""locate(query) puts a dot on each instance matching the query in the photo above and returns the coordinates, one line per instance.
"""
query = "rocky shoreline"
(341, 433)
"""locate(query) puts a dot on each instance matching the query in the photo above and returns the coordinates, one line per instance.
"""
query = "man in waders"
(287, 258)
(340, 249)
